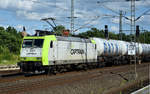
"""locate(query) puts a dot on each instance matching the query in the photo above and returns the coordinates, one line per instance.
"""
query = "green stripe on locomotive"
(93, 41)
(31, 59)
(46, 47)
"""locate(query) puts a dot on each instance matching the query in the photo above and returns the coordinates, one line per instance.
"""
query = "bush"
(10, 41)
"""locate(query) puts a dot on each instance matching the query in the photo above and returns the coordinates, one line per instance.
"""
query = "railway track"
(9, 72)
(19, 84)
(9, 68)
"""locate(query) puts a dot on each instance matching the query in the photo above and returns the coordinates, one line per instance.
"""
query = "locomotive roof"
(73, 39)
(62, 38)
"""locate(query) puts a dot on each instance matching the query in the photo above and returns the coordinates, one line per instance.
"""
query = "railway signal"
(137, 31)
(106, 32)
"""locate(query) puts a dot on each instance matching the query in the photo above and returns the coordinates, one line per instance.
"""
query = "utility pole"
(120, 25)
(144, 35)
(72, 17)
(132, 33)
(132, 20)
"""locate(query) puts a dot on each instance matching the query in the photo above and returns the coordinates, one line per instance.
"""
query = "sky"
(88, 13)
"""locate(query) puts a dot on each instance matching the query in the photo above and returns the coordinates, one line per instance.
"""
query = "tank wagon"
(47, 53)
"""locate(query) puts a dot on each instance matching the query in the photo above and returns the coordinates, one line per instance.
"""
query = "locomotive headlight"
(38, 58)
(23, 58)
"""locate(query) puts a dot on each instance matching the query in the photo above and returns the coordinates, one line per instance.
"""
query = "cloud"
(143, 21)
(19, 27)
(17, 4)
(115, 20)
(85, 10)
(114, 28)
(5, 26)
(32, 15)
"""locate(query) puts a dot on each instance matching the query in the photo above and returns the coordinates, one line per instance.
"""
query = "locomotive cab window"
(95, 46)
(37, 43)
(51, 44)
(27, 43)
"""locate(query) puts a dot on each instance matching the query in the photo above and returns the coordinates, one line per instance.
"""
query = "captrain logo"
(76, 51)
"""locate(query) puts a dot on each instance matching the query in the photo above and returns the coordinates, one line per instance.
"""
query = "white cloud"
(85, 10)
(62, 5)
(114, 28)
(143, 3)
(19, 27)
(32, 15)
(115, 20)
(17, 4)
(5, 26)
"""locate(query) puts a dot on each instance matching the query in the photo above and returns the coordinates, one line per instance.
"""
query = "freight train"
(50, 53)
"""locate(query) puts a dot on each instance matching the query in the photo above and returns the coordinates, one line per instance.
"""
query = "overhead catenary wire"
(121, 15)
(104, 1)
(84, 25)
(132, 26)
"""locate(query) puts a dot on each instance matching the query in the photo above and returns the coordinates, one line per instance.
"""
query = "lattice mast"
(132, 32)
(72, 17)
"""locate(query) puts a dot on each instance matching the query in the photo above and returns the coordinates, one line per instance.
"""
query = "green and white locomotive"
(44, 53)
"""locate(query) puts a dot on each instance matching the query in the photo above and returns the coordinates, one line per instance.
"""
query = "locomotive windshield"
(37, 43)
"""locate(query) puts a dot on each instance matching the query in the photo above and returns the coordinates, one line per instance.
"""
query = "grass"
(123, 82)
(8, 59)
(8, 62)
(101, 90)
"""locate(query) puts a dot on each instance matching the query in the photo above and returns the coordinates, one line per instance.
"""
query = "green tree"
(94, 32)
(2, 28)
(113, 36)
(10, 39)
(59, 29)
